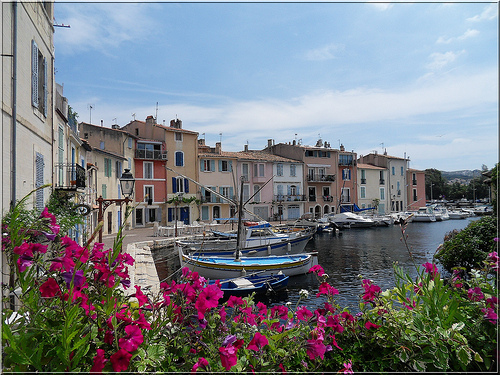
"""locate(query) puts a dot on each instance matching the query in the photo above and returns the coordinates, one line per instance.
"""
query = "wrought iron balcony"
(150, 154)
(69, 176)
(327, 198)
(320, 177)
(290, 198)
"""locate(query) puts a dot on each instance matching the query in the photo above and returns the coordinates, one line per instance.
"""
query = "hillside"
(463, 175)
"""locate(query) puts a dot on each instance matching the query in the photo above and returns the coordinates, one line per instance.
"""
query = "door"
(110, 222)
(185, 215)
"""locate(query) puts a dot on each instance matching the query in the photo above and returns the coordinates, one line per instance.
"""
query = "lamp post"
(127, 182)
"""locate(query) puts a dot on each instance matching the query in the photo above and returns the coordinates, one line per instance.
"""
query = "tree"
(435, 184)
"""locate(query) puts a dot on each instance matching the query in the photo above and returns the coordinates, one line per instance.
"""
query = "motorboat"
(380, 220)
(306, 221)
(424, 214)
(245, 285)
(260, 240)
(440, 212)
(402, 217)
(215, 267)
(350, 220)
(458, 214)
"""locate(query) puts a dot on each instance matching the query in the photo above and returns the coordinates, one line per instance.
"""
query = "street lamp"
(127, 183)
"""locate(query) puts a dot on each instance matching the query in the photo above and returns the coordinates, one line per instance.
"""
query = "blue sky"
(419, 78)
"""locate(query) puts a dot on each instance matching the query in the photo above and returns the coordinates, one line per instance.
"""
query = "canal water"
(348, 258)
(366, 253)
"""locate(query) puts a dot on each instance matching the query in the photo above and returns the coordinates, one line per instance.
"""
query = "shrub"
(469, 247)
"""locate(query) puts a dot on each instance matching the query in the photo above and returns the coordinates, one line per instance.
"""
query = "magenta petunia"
(303, 313)
(77, 277)
(201, 363)
(370, 325)
(258, 342)
(133, 339)
(489, 313)
(141, 297)
(475, 294)
(235, 301)
(120, 360)
(431, 269)
(326, 288)
(315, 348)
(318, 269)
(207, 299)
(50, 288)
(99, 361)
(228, 356)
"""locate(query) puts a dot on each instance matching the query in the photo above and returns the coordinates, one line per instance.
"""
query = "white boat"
(457, 214)
(440, 212)
(260, 240)
(380, 220)
(350, 220)
(306, 220)
(424, 214)
(399, 217)
(215, 267)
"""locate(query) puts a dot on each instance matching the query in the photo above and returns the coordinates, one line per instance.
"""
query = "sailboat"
(223, 267)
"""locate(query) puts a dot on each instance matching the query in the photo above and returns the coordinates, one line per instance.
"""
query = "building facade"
(415, 189)
(372, 189)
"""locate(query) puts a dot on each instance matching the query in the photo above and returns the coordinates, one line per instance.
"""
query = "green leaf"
(464, 355)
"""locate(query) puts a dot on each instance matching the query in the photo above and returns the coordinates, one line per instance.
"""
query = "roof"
(106, 128)
(369, 166)
(415, 170)
(109, 153)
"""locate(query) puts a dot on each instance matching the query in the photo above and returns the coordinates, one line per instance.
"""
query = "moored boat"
(350, 220)
(424, 214)
(258, 284)
(215, 267)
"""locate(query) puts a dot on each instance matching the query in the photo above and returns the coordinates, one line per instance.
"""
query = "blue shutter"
(170, 214)
(186, 185)
(212, 165)
(39, 181)
(220, 165)
(231, 192)
(202, 163)
(230, 165)
(45, 88)
(34, 74)
(174, 185)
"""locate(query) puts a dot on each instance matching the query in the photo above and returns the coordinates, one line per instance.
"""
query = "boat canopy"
(353, 208)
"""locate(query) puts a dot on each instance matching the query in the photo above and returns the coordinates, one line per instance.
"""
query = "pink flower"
(258, 342)
(202, 363)
(370, 325)
(77, 277)
(228, 356)
(475, 294)
(333, 321)
(326, 288)
(303, 313)
(50, 288)
(120, 360)
(141, 297)
(371, 291)
(23, 262)
(235, 301)
(315, 348)
(208, 298)
(99, 361)
(431, 268)
(347, 368)
(318, 269)
(490, 314)
(492, 302)
(493, 258)
(133, 339)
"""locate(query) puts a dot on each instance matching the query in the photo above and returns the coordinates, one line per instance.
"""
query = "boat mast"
(240, 211)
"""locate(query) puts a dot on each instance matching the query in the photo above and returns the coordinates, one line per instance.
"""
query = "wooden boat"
(242, 286)
(215, 267)
(260, 240)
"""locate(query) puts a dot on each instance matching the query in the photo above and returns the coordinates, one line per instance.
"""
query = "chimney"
(176, 124)
(246, 148)
(150, 120)
(294, 142)
(217, 147)
(270, 143)
(102, 122)
(342, 148)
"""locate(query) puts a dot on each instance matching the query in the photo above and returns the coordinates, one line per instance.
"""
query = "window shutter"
(45, 88)
(231, 192)
(34, 74)
(298, 190)
(39, 181)
(212, 165)
(158, 213)
(202, 165)
(288, 189)
(170, 211)
(230, 165)
(186, 185)
(174, 185)
(255, 170)
(220, 165)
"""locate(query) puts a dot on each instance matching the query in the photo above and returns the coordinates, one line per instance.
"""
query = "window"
(279, 169)
(294, 190)
(226, 191)
(107, 167)
(382, 193)
(148, 170)
(118, 169)
(256, 191)
(393, 171)
(136, 131)
(129, 142)
(180, 185)
(207, 165)
(363, 176)
(415, 195)
(398, 187)
(244, 171)
(346, 174)
(312, 194)
(179, 159)
(382, 177)
(178, 136)
(148, 194)
(101, 145)
(258, 170)
(293, 170)
(225, 166)
(246, 192)
(345, 195)
(402, 173)
(362, 192)
(39, 80)
(345, 159)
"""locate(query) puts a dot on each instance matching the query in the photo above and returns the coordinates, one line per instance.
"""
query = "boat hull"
(226, 248)
(212, 267)
(252, 284)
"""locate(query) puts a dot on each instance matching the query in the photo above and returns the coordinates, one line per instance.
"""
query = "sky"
(415, 79)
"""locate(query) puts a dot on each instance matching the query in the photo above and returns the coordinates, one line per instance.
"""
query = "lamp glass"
(127, 182)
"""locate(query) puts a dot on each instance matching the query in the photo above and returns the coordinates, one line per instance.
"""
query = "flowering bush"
(73, 315)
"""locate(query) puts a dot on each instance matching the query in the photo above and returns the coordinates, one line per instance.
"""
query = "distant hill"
(462, 175)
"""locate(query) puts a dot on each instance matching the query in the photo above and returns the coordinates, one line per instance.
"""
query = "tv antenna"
(90, 107)
(220, 137)
(133, 115)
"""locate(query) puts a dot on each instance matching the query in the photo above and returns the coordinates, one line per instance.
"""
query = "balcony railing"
(215, 199)
(69, 176)
(290, 198)
(312, 198)
(382, 181)
(320, 177)
(414, 182)
(327, 198)
(363, 181)
(150, 154)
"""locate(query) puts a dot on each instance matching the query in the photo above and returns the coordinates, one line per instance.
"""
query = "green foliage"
(469, 247)
(63, 206)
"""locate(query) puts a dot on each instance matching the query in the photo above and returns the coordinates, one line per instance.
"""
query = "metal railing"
(290, 198)
(69, 176)
(150, 154)
(320, 177)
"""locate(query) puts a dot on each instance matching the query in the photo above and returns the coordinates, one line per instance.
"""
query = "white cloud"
(440, 60)
(468, 34)
(101, 27)
(327, 52)
(489, 13)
